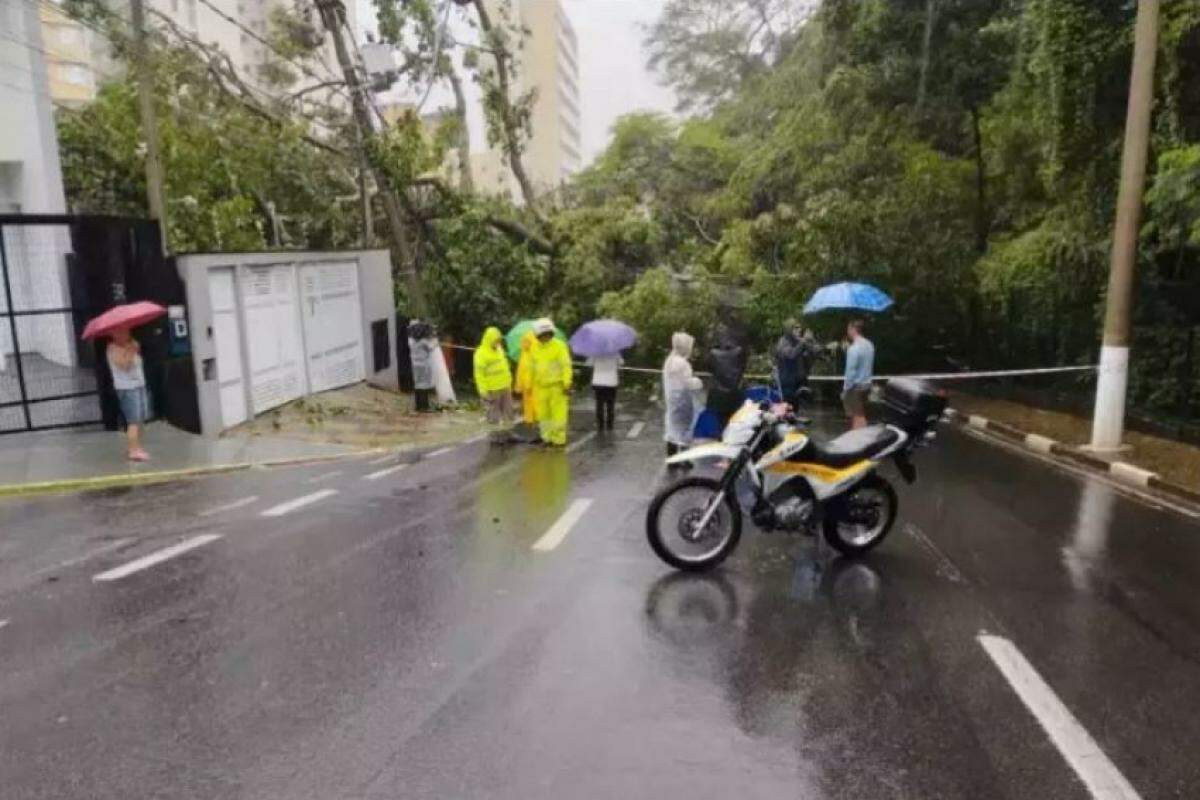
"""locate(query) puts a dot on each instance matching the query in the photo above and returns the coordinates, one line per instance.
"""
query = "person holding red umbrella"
(129, 381)
(124, 356)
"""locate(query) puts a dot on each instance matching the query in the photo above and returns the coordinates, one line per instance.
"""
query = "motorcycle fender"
(705, 452)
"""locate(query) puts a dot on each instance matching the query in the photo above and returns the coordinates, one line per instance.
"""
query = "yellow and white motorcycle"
(787, 480)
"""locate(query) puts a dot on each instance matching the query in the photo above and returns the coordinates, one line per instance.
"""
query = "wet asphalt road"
(402, 638)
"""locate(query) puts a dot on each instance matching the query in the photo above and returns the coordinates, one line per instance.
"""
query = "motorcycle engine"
(793, 514)
(791, 511)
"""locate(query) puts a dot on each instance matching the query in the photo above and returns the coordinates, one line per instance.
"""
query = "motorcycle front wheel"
(673, 525)
(861, 519)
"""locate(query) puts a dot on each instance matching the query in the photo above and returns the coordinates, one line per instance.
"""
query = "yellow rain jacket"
(551, 380)
(525, 378)
(492, 372)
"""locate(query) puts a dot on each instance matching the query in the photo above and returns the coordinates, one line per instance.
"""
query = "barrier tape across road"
(926, 376)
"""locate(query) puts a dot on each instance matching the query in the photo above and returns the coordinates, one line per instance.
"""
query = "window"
(68, 36)
(76, 74)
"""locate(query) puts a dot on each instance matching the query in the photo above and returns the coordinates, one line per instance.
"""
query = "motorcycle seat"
(852, 446)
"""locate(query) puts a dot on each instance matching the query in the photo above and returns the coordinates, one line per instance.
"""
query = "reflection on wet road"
(488, 622)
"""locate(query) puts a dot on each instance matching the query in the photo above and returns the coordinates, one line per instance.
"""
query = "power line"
(254, 35)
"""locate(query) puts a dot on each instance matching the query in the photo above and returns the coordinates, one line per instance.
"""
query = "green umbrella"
(512, 339)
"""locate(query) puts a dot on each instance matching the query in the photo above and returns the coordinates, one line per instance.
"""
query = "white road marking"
(439, 452)
(3, 622)
(580, 442)
(383, 473)
(1103, 780)
(157, 557)
(636, 430)
(324, 476)
(116, 544)
(299, 502)
(245, 501)
(476, 439)
(383, 459)
(559, 530)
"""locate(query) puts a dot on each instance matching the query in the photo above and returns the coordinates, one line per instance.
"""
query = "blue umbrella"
(861, 296)
(603, 337)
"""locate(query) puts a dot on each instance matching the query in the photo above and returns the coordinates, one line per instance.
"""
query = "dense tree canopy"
(961, 154)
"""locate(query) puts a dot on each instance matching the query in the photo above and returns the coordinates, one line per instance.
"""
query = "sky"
(614, 79)
(613, 76)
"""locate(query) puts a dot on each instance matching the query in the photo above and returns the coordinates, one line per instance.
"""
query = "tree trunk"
(982, 224)
(926, 46)
(331, 15)
(509, 124)
(465, 182)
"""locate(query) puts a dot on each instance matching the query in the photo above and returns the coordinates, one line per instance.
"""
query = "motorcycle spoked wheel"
(673, 517)
(862, 518)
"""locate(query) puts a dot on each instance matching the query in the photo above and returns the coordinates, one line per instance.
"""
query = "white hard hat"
(543, 326)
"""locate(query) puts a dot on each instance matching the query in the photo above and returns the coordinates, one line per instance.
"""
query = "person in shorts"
(860, 369)
(124, 356)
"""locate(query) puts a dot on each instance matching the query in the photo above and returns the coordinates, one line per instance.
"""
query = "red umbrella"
(129, 315)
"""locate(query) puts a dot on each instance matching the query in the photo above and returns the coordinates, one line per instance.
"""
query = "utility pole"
(364, 198)
(155, 193)
(1108, 423)
(333, 15)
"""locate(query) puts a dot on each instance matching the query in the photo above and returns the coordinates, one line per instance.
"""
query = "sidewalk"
(1175, 461)
(51, 460)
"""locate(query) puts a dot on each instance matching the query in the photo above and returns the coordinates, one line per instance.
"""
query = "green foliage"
(658, 305)
(227, 169)
(484, 278)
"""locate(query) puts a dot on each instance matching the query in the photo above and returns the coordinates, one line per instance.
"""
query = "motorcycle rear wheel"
(875, 501)
(672, 519)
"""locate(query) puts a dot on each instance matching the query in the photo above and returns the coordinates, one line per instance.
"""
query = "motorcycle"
(787, 480)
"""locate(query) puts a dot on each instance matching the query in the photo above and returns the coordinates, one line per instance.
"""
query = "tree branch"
(220, 67)
(509, 124)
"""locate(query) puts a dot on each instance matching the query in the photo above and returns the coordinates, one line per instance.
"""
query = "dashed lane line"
(636, 430)
(241, 503)
(324, 476)
(298, 503)
(439, 452)
(562, 526)
(157, 557)
(580, 442)
(383, 473)
(1101, 777)
(116, 544)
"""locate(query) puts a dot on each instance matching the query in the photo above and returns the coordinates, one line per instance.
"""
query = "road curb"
(1119, 471)
(164, 476)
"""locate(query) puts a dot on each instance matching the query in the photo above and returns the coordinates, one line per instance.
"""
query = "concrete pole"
(1108, 423)
(333, 16)
(155, 192)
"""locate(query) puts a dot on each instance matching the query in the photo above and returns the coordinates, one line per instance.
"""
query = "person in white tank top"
(124, 356)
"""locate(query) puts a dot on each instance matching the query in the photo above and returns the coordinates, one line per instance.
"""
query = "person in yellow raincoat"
(551, 381)
(524, 384)
(493, 377)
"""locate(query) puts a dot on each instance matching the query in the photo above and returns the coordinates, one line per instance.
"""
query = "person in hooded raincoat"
(679, 394)
(493, 377)
(524, 384)
(422, 342)
(552, 381)
(727, 362)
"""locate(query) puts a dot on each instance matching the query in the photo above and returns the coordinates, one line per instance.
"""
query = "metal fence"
(48, 376)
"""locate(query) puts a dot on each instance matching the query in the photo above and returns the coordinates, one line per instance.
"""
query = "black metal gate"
(56, 272)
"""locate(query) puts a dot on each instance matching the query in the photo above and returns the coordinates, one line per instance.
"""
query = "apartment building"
(78, 58)
(548, 64)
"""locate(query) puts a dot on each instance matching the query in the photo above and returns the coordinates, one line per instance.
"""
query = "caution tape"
(925, 376)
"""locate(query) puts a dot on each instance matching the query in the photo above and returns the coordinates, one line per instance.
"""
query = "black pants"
(423, 399)
(606, 407)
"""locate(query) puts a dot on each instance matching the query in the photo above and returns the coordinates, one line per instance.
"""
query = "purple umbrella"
(603, 337)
